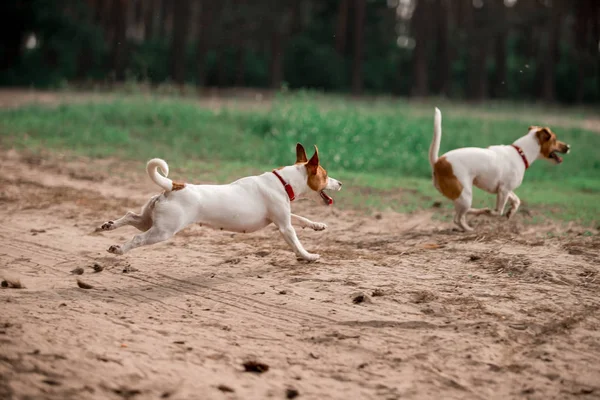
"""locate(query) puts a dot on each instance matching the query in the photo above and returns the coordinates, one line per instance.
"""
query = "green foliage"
(147, 61)
(63, 38)
(304, 66)
(387, 138)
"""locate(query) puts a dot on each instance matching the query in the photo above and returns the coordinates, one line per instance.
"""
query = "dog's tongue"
(328, 200)
(557, 158)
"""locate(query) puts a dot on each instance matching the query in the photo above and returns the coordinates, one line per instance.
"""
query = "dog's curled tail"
(434, 149)
(157, 178)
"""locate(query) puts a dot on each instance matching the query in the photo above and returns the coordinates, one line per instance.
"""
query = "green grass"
(378, 148)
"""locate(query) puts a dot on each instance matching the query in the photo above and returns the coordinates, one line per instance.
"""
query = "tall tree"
(181, 19)
(276, 63)
(163, 17)
(587, 40)
(204, 31)
(444, 54)
(477, 52)
(239, 33)
(149, 16)
(281, 17)
(596, 17)
(419, 26)
(359, 40)
(551, 51)
(341, 30)
(119, 14)
(500, 49)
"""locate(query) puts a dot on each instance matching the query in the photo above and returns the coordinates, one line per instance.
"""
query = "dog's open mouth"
(554, 156)
(328, 200)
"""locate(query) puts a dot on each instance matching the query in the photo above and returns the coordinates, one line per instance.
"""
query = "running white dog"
(246, 205)
(497, 169)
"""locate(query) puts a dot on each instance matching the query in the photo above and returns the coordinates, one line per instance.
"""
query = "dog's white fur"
(246, 205)
(497, 169)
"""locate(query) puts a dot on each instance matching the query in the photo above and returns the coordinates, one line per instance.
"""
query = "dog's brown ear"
(543, 135)
(300, 154)
(313, 163)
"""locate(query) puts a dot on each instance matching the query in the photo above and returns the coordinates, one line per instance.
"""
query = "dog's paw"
(510, 213)
(107, 226)
(318, 226)
(310, 257)
(115, 249)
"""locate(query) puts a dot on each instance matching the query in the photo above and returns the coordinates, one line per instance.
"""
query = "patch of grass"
(378, 149)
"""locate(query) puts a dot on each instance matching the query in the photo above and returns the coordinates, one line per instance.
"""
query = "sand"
(400, 306)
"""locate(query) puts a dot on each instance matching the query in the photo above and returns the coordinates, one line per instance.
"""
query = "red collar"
(288, 188)
(522, 154)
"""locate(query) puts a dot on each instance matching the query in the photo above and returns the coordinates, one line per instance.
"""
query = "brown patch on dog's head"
(177, 186)
(300, 154)
(317, 178)
(446, 181)
(549, 145)
(317, 175)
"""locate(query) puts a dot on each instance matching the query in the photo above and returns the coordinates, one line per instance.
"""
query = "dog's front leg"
(514, 204)
(282, 218)
(289, 234)
(501, 200)
(307, 223)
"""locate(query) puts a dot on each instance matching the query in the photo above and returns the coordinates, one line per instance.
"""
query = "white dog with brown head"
(244, 206)
(497, 169)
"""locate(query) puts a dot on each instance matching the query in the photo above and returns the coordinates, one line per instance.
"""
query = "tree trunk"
(342, 27)
(240, 72)
(165, 8)
(276, 65)
(419, 26)
(149, 11)
(583, 12)
(84, 56)
(477, 74)
(240, 32)
(444, 63)
(596, 17)
(551, 54)
(296, 18)
(279, 35)
(181, 18)
(359, 39)
(119, 48)
(204, 33)
(500, 51)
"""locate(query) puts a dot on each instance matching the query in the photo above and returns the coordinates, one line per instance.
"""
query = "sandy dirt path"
(399, 306)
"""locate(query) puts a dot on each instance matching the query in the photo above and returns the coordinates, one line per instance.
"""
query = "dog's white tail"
(157, 178)
(434, 149)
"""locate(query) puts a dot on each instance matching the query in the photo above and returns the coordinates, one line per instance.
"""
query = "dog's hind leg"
(151, 236)
(139, 221)
(307, 223)
(462, 205)
(480, 211)
(501, 199)
(142, 221)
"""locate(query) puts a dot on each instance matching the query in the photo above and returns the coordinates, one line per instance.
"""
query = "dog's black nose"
(340, 183)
